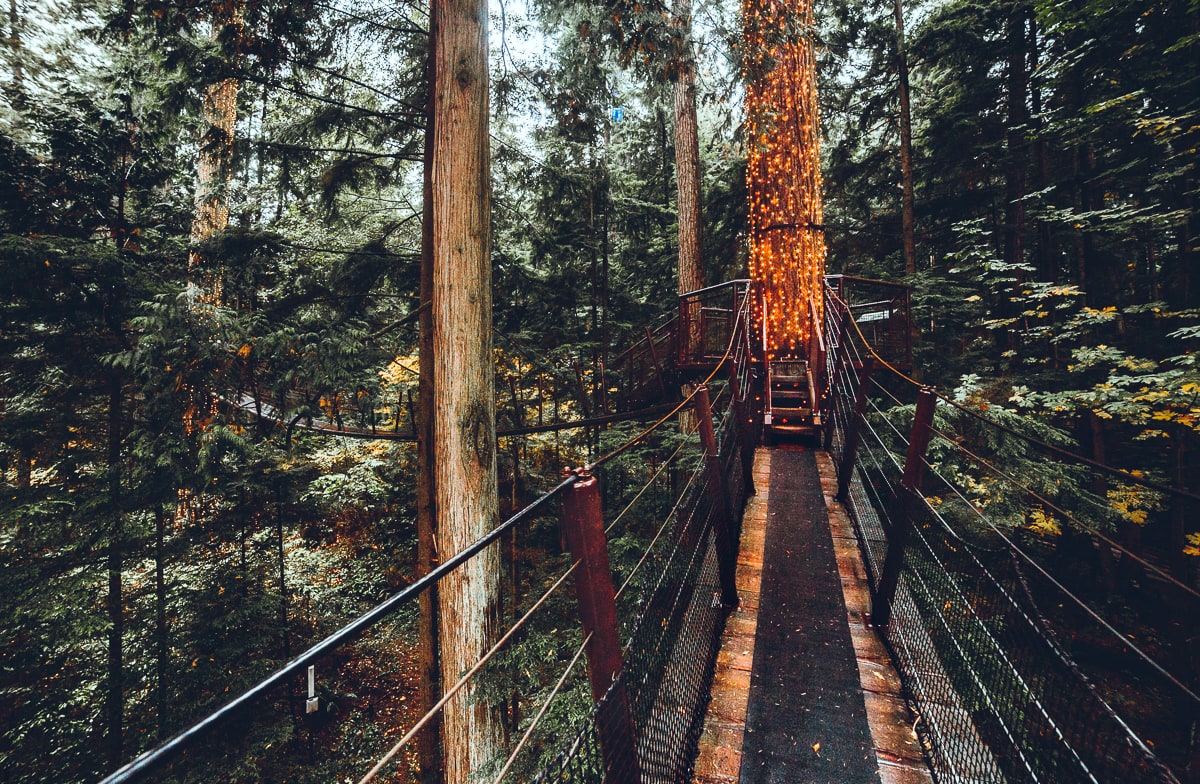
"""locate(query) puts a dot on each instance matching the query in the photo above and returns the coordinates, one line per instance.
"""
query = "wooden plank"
(898, 751)
(720, 756)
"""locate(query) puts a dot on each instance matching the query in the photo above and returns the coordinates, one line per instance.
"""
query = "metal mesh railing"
(984, 632)
(669, 659)
(673, 640)
(670, 622)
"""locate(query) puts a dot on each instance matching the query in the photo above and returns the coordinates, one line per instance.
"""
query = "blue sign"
(618, 114)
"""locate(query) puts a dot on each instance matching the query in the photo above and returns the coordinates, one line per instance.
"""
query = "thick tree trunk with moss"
(465, 491)
(687, 157)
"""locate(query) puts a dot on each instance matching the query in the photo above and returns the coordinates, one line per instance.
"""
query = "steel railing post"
(839, 363)
(906, 505)
(719, 497)
(853, 427)
(741, 418)
(583, 524)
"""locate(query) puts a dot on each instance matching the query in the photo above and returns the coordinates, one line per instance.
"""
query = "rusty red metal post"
(853, 427)
(719, 496)
(910, 498)
(583, 523)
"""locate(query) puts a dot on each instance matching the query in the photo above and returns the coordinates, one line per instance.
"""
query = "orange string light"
(783, 170)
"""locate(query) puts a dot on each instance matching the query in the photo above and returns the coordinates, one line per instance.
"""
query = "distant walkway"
(804, 692)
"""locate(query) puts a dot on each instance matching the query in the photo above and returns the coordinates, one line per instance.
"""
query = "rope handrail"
(541, 711)
(965, 631)
(1016, 549)
(173, 747)
(1124, 475)
(649, 483)
(269, 413)
(657, 535)
(465, 678)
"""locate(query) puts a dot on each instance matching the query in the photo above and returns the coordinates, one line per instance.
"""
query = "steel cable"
(1086, 526)
(1015, 548)
(542, 711)
(400, 744)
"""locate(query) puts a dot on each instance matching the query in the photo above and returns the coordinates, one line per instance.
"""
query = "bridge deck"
(804, 692)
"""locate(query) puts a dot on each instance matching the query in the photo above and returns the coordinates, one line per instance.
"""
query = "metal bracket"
(312, 703)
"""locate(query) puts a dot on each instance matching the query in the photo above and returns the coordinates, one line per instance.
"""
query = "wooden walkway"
(898, 758)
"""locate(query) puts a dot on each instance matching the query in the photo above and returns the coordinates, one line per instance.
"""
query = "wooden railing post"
(853, 427)
(583, 524)
(909, 498)
(719, 497)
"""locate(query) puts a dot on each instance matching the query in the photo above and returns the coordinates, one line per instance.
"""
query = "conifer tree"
(465, 488)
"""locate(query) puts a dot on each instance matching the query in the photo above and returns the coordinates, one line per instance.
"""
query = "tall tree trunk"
(465, 491)
(687, 156)
(429, 742)
(1018, 125)
(1152, 294)
(665, 169)
(1179, 518)
(1099, 486)
(1186, 296)
(160, 622)
(1047, 267)
(285, 624)
(907, 220)
(114, 704)
(215, 160)
(24, 467)
(15, 44)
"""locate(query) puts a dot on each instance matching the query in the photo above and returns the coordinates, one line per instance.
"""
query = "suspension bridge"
(851, 604)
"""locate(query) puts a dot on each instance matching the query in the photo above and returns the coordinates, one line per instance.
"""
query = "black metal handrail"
(144, 764)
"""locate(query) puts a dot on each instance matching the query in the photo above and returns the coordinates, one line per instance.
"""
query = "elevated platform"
(804, 691)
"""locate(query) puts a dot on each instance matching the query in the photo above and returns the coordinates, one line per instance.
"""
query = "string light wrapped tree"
(783, 171)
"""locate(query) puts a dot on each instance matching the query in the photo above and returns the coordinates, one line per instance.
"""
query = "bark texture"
(429, 742)
(687, 157)
(114, 703)
(465, 490)
(907, 220)
(214, 165)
